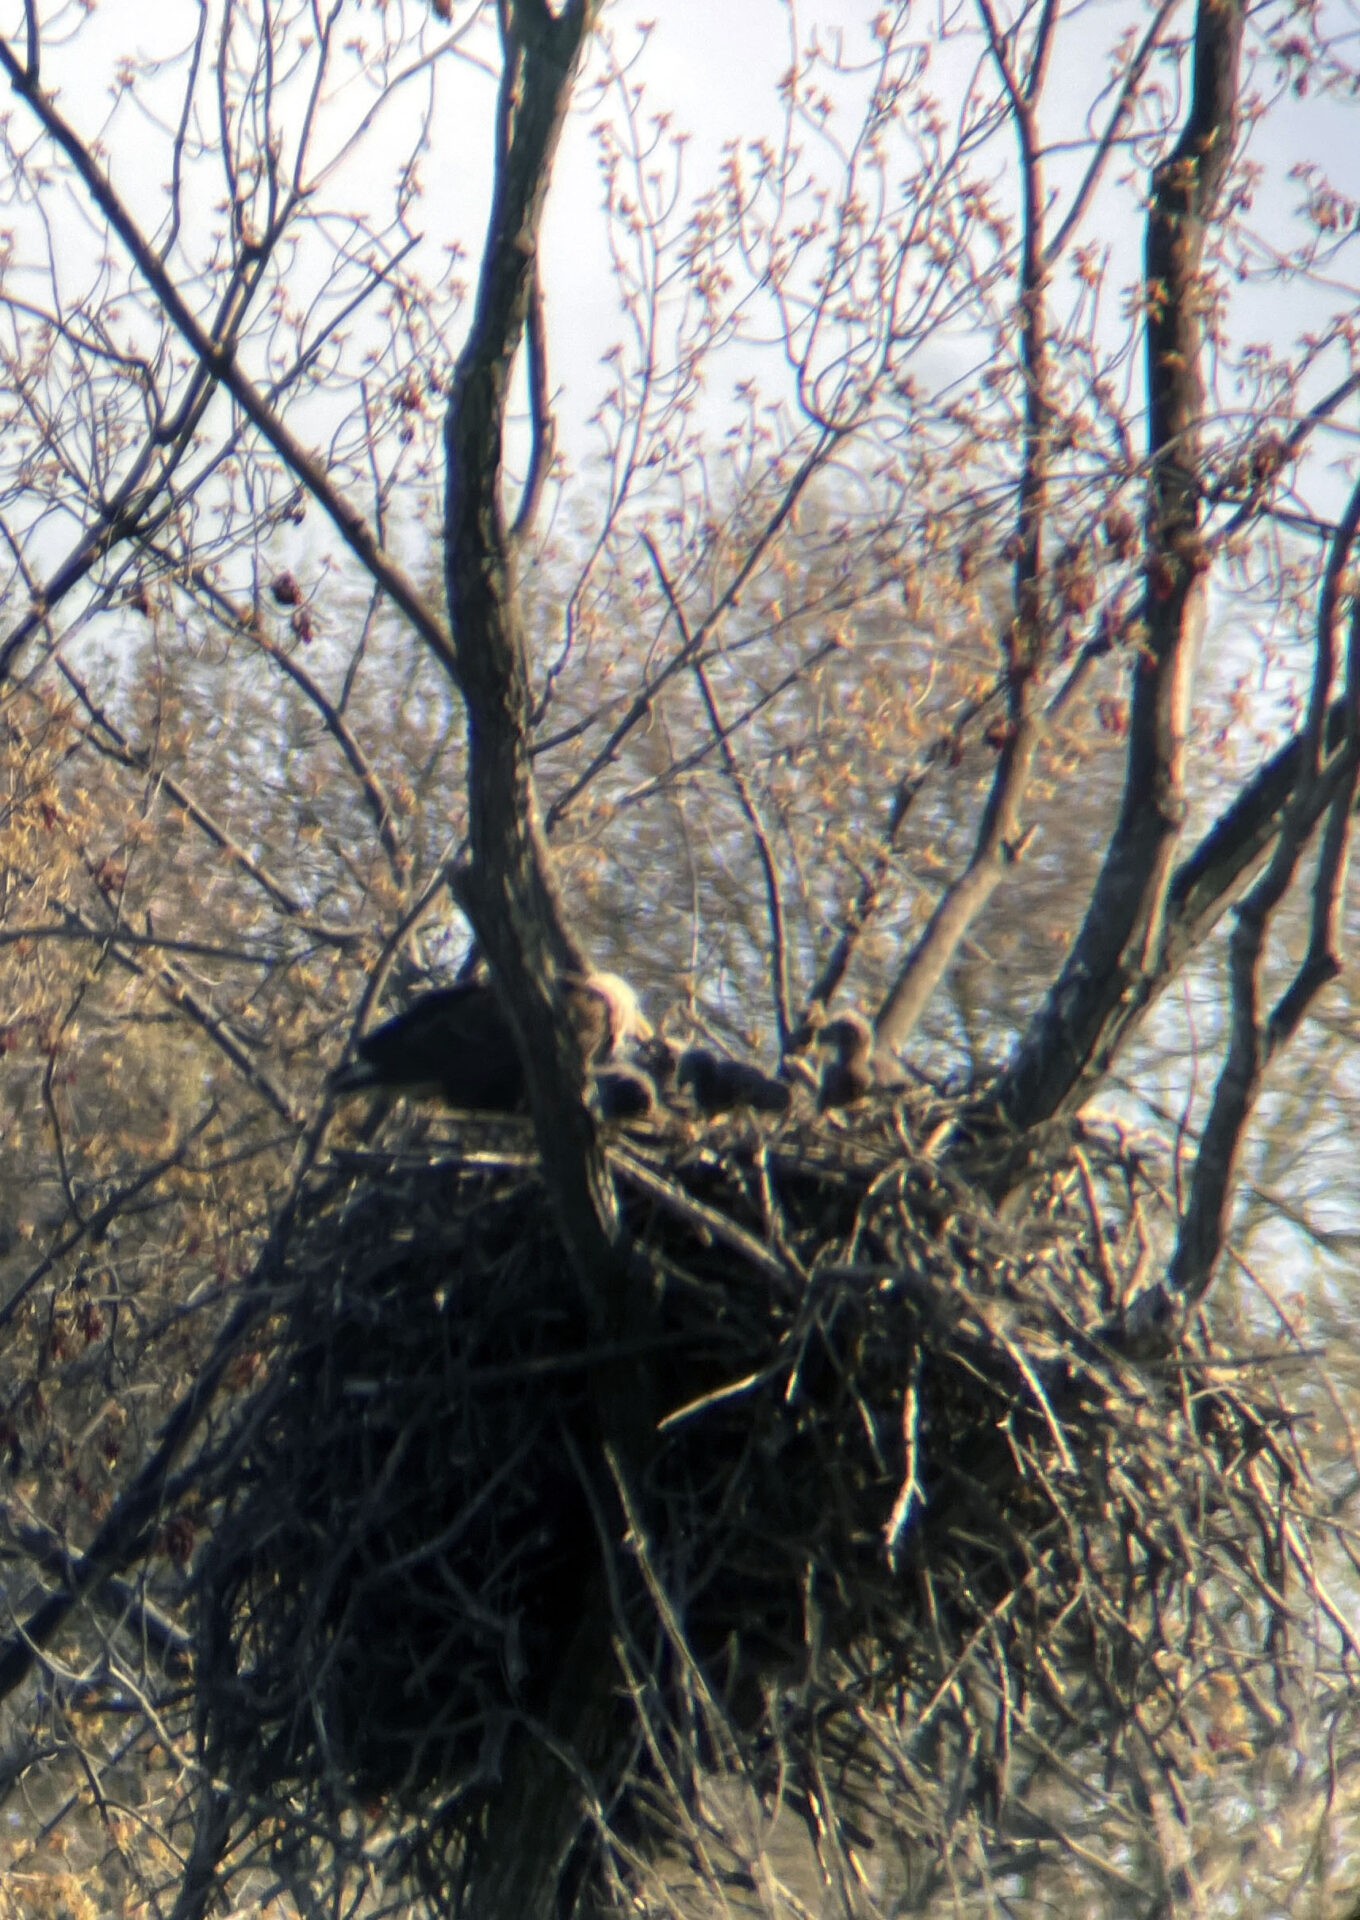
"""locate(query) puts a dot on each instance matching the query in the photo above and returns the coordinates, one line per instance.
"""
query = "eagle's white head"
(623, 1012)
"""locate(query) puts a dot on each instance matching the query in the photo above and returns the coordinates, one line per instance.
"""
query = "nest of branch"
(909, 1531)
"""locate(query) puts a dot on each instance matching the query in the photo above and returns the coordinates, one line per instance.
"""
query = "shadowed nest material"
(909, 1534)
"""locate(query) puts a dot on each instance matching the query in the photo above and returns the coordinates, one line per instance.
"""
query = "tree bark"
(551, 1772)
(1119, 951)
(1000, 834)
(508, 888)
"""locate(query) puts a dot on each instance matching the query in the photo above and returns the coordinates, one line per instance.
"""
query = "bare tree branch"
(215, 355)
(1000, 835)
(122, 1536)
(642, 703)
(542, 426)
(187, 998)
(1118, 946)
(1253, 1039)
(375, 797)
(722, 735)
(508, 888)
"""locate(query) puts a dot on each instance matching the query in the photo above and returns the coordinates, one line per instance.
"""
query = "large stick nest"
(909, 1528)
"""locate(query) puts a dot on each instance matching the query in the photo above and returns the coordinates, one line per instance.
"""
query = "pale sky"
(713, 66)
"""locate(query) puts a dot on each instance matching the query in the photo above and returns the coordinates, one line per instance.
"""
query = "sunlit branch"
(1117, 949)
(1258, 504)
(196, 949)
(141, 506)
(1253, 1039)
(217, 359)
(187, 998)
(874, 892)
(686, 763)
(126, 1604)
(641, 705)
(108, 737)
(542, 426)
(1001, 833)
(100, 1218)
(774, 901)
(375, 796)
(1130, 84)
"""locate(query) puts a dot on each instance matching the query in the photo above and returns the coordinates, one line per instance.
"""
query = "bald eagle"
(720, 1085)
(456, 1042)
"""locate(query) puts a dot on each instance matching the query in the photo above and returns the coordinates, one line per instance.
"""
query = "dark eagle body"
(453, 1041)
(457, 1042)
(720, 1085)
(624, 1093)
